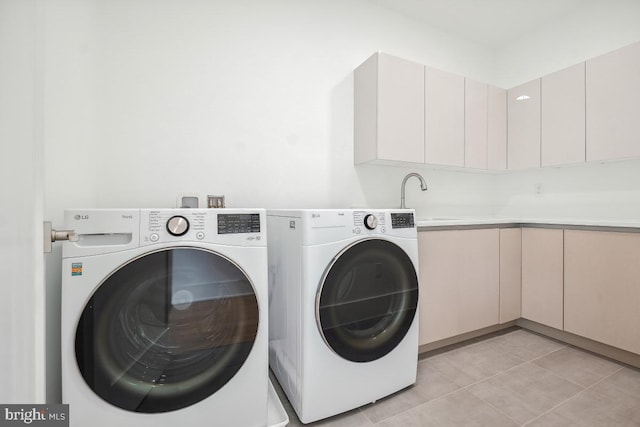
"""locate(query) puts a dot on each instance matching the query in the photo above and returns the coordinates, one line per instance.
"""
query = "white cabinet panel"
(475, 124)
(444, 118)
(542, 276)
(497, 129)
(510, 274)
(602, 287)
(563, 116)
(613, 91)
(388, 110)
(524, 126)
(459, 282)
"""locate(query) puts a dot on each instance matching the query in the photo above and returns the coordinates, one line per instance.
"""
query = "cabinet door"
(524, 126)
(475, 124)
(602, 287)
(459, 282)
(510, 274)
(613, 90)
(497, 129)
(388, 110)
(563, 117)
(444, 118)
(542, 276)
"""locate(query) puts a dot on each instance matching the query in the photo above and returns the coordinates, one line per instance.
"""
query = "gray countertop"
(426, 223)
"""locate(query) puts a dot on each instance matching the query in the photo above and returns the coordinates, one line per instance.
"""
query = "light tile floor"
(517, 378)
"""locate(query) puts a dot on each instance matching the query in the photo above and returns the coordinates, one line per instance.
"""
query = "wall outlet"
(537, 190)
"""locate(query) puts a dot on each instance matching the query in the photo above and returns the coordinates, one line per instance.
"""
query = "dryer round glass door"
(367, 300)
(167, 330)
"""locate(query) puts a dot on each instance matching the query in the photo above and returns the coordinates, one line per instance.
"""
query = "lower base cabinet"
(542, 276)
(459, 282)
(586, 282)
(510, 274)
(602, 287)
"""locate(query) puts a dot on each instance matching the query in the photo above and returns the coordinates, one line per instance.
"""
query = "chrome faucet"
(423, 186)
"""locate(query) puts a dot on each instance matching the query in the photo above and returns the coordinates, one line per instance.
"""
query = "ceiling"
(492, 23)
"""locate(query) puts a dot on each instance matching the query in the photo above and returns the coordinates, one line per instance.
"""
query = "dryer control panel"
(402, 220)
(382, 222)
(320, 226)
(369, 221)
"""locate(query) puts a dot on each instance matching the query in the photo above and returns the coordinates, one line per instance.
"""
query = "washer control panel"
(177, 225)
(166, 225)
(206, 225)
(370, 221)
(238, 223)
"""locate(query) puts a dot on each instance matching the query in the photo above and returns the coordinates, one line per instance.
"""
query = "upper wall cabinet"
(563, 116)
(444, 118)
(485, 126)
(524, 126)
(407, 112)
(389, 110)
(496, 128)
(613, 90)
(475, 124)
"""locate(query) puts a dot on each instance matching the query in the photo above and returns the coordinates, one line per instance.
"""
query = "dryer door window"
(367, 300)
(167, 330)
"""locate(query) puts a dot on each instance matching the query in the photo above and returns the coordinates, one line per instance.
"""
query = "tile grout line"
(570, 380)
(538, 366)
(497, 373)
(548, 354)
(417, 406)
(575, 396)
(496, 409)
(493, 376)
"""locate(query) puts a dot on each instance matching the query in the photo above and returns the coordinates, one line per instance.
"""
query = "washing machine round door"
(167, 330)
(367, 300)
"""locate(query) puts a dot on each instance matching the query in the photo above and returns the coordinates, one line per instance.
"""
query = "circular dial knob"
(177, 225)
(370, 221)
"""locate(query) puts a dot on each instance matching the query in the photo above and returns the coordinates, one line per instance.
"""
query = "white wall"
(248, 99)
(71, 134)
(591, 191)
(21, 268)
(148, 99)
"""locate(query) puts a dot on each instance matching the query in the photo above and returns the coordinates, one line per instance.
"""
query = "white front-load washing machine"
(343, 298)
(164, 318)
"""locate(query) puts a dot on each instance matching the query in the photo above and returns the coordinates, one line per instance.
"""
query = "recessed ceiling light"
(523, 97)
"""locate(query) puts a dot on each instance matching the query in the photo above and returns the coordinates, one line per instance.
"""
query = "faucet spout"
(423, 186)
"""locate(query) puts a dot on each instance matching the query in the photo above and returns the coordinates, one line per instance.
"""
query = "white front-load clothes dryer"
(343, 298)
(164, 318)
